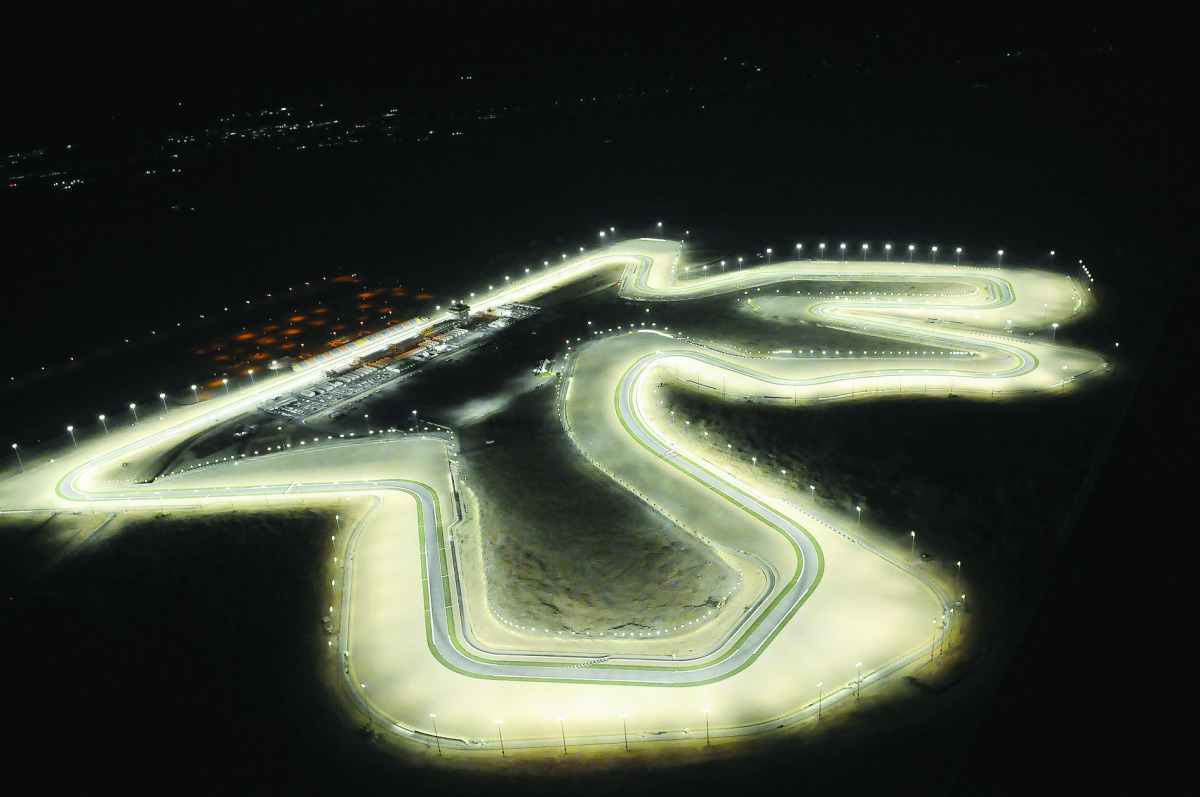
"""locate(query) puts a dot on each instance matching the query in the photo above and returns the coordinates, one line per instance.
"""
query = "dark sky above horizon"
(75, 66)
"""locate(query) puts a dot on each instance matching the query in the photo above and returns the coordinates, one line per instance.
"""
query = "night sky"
(1018, 130)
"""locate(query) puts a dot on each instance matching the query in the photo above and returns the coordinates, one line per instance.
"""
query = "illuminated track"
(975, 321)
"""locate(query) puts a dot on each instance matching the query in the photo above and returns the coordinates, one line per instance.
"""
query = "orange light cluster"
(302, 332)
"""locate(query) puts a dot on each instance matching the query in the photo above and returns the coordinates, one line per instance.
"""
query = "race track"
(828, 600)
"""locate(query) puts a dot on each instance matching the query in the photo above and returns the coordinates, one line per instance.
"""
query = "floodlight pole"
(625, 729)
(436, 738)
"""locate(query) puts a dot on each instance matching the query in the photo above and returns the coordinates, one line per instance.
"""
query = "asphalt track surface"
(646, 279)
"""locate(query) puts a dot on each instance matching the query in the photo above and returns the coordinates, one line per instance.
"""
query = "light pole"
(822, 247)
(414, 414)
(887, 253)
(163, 398)
(660, 228)
(812, 494)
(957, 576)
(105, 423)
(135, 415)
(864, 250)
(501, 734)
(225, 382)
(436, 738)
(842, 247)
(367, 418)
(911, 249)
(820, 695)
(912, 550)
(562, 725)
(71, 431)
(857, 679)
(1051, 258)
(1053, 330)
(251, 372)
(768, 255)
(707, 737)
(999, 257)
(858, 525)
(625, 729)
(935, 254)
(739, 262)
(958, 256)
(194, 396)
(799, 250)
(19, 461)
